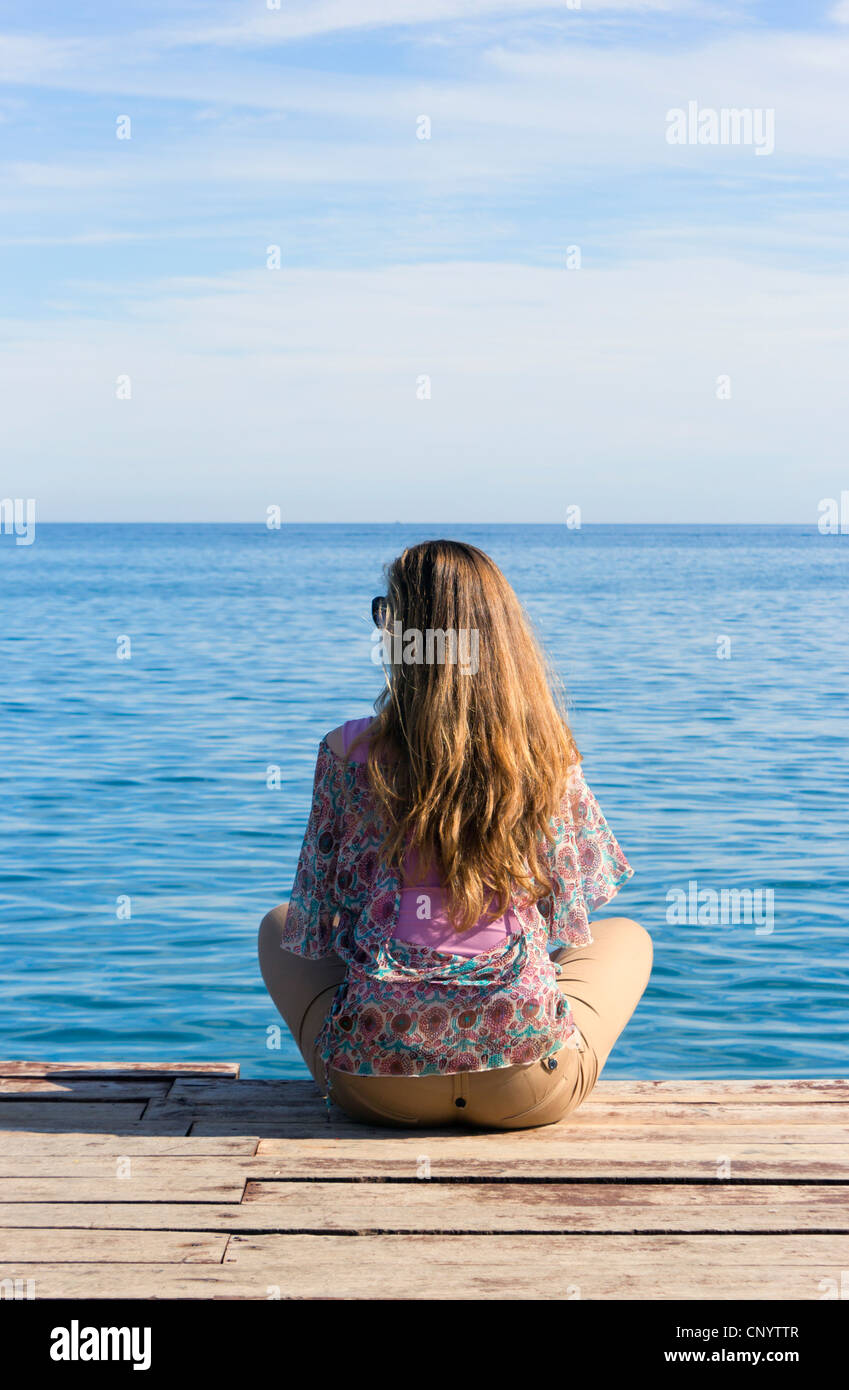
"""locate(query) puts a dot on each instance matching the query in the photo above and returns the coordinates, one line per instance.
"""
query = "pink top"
(421, 918)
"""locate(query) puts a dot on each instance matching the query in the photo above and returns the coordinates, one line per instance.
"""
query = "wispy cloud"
(301, 20)
(297, 128)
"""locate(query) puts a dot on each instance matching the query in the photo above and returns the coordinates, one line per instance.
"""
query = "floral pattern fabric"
(407, 1010)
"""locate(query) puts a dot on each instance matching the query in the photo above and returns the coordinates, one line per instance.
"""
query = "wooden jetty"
(155, 1181)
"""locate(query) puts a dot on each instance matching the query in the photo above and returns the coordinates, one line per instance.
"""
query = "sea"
(164, 689)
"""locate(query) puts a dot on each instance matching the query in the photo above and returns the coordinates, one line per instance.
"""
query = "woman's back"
(422, 918)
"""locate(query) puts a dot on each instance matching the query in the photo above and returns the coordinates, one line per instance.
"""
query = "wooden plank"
(798, 1251)
(462, 1275)
(454, 1207)
(32, 1144)
(156, 1069)
(646, 1143)
(105, 1116)
(159, 1167)
(538, 1266)
(286, 1125)
(402, 1158)
(106, 1133)
(551, 1142)
(626, 1114)
(138, 1216)
(49, 1089)
(211, 1091)
(168, 1187)
(562, 1140)
(448, 1158)
(457, 1207)
(645, 1137)
(110, 1246)
(718, 1090)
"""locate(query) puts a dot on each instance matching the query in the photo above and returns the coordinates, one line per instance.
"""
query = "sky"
(236, 275)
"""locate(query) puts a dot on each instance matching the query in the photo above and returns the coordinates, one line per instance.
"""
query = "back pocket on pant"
(356, 1102)
(527, 1089)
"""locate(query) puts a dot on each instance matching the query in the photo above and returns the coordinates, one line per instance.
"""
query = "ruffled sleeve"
(587, 864)
(310, 925)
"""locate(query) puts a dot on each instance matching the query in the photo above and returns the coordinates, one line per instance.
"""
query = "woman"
(435, 962)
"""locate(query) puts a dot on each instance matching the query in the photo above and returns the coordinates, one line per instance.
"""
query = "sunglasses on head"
(380, 610)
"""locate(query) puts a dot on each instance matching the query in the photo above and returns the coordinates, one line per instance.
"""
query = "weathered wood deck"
(156, 1181)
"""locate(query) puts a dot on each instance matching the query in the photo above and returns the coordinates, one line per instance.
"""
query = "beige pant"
(603, 984)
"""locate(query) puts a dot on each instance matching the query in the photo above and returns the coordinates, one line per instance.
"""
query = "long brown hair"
(468, 764)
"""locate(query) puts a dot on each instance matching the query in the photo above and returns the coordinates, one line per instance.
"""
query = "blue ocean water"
(708, 672)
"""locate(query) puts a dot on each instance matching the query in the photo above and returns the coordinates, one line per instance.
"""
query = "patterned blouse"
(405, 1009)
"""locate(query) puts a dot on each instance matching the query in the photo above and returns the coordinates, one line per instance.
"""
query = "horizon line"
(288, 524)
